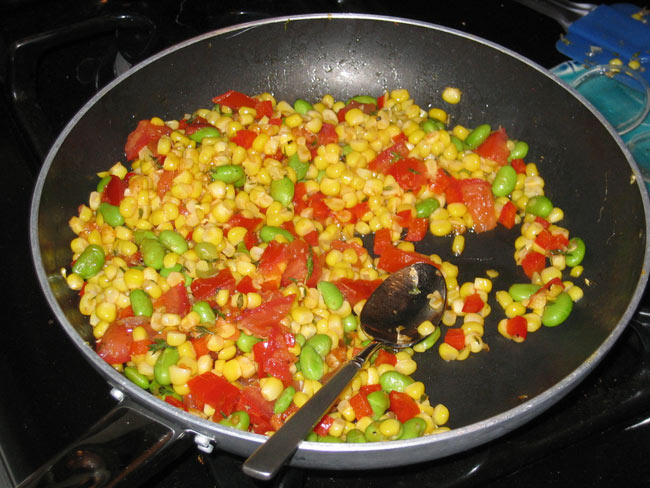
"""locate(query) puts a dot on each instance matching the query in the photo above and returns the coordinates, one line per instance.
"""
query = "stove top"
(55, 55)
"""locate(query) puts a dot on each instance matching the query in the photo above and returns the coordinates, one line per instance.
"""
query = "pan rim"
(499, 424)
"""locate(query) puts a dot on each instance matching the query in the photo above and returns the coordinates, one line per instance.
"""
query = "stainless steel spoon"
(391, 316)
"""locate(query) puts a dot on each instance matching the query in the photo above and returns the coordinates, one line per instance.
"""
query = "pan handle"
(564, 12)
(123, 448)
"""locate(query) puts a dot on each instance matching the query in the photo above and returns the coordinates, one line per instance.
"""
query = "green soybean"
(141, 303)
(206, 250)
(424, 208)
(372, 433)
(300, 339)
(350, 323)
(240, 420)
(229, 173)
(165, 272)
(379, 402)
(364, 99)
(478, 136)
(428, 342)
(111, 214)
(270, 232)
(519, 151)
(347, 149)
(539, 206)
(140, 235)
(320, 175)
(312, 437)
(168, 357)
(557, 312)
(302, 106)
(392, 380)
(206, 314)
(284, 400)
(90, 261)
(354, 436)
(522, 291)
(173, 241)
(103, 182)
(153, 253)
(576, 252)
(300, 167)
(311, 364)
(204, 132)
(332, 296)
(428, 126)
(282, 191)
(504, 181)
(330, 438)
(322, 343)
(412, 428)
(245, 342)
(460, 146)
(132, 373)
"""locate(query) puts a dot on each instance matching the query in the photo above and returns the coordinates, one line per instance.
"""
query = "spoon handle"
(267, 460)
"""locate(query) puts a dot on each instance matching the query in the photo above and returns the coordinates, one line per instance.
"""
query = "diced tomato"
(323, 426)
(473, 303)
(358, 211)
(519, 166)
(418, 228)
(274, 358)
(410, 173)
(543, 222)
(343, 245)
(551, 242)
(260, 410)
(390, 155)
(303, 265)
(361, 406)
(263, 319)
(244, 138)
(203, 288)
(264, 109)
(200, 345)
(479, 200)
(140, 347)
(403, 406)
(211, 389)
(327, 135)
(115, 345)
(319, 208)
(356, 290)
(533, 262)
(455, 338)
(275, 121)
(366, 108)
(312, 238)
(175, 402)
(385, 357)
(507, 215)
(125, 312)
(175, 300)
(144, 134)
(165, 182)
(382, 100)
(273, 262)
(114, 191)
(235, 100)
(245, 285)
(495, 147)
(382, 241)
(517, 327)
(393, 259)
(447, 185)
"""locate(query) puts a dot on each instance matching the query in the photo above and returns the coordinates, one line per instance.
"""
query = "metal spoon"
(391, 316)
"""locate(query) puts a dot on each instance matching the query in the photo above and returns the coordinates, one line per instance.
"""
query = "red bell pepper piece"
(366, 108)
(264, 109)
(235, 100)
(175, 402)
(245, 285)
(533, 262)
(551, 242)
(519, 166)
(393, 259)
(200, 345)
(244, 138)
(543, 222)
(361, 406)
(507, 215)
(356, 290)
(455, 338)
(385, 357)
(403, 406)
(323, 426)
(382, 241)
(517, 327)
(473, 303)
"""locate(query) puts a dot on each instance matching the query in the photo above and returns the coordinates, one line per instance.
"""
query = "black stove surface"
(599, 435)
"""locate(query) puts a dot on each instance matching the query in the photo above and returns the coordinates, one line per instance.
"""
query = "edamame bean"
(153, 253)
(240, 420)
(205, 312)
(364, 99)
(519, 151)
(228, 173)
(412, 428)
(332, 296)
(557, 312)
(354, 436)
(312, 437)
(173, 241)
(282, 191)
(428, 342)
(428, 126)
(300, 339)
(132, 373)
(284, 400)
(245, 342)
(320, 175)
(322, 343)
(103, 182)
(504, 181)
(302, 106)
(539, 206)
(477, 136)
(329, 438)
(141, 303)
(111, 214)
(350, 323)
(300, 167)
(522, 291)
(90, 262)
(576, 252)
(460, 145)
(392, 380)
(164, 272)
(311, 364)
(204, 132)
(379, 402)
(168, 357)
(140, 235)
(372, 433)
(424, 208)
(206, 250)
(270, 232)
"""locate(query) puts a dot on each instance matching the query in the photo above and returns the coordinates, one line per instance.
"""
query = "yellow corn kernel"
(575, 292)
(533, 322)
(514, 309)
(232, 370)
(106, 311)
(438, 114)
(458, 245)
(440, 228)
(426, 328)
(100, 329)
(415, 390)
(451, 95)
(179, 375)
(550, 273)
(440, 414)
(483, 284)
(75, 282)
(390, 427)
(406, 366)
(293, 120)
(227, 352)
(175, 338)
(576, 271)
(447, 352)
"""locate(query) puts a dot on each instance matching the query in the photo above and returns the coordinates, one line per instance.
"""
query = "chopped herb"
(310, 262)
(158, 345)
(415, 291)
(202, 330)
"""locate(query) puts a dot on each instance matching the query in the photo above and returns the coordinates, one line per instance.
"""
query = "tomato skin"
(216, 391)
(203, 288)
(385, 357)
(165, 182)
(366, 108)
(517, 327)
(298, 254)
(114, 191)
(323, 426)
(393, 259)
(533, 262)
(387, 157)
(519, 166)
(140, 347)
(263, 319)
(274, 358)
(551, 242)
(473, 303)
(403, 406)
(368, 389)
(264, 109)
(479, 200)
(361, 406)
(200, 345)
(356, 290)
(382, 241)
(455, 338)
(495, 147)
(175, 300)
(507, 215)
(115, 345)
(235, 100)
(144, 134)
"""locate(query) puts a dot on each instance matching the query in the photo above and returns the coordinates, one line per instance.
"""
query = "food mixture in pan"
(223, 270)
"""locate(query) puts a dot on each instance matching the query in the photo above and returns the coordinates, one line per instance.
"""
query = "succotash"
(224, 271)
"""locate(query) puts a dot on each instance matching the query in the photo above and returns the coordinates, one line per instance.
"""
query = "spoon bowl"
(391, 316)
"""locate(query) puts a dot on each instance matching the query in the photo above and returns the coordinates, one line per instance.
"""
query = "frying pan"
(588, 173)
